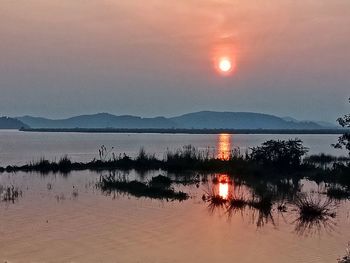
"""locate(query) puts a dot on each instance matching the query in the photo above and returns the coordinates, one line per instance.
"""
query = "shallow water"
(67, 218)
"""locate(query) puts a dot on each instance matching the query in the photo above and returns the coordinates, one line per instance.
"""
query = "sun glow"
(224, 57)
(225, 65)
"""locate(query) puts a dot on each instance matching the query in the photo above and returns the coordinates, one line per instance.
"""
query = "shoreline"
(186, 131)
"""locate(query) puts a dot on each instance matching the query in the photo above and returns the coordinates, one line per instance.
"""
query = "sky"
(61, 58)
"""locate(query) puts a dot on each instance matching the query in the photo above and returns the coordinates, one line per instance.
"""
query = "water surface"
(68, 218)
(21, 147)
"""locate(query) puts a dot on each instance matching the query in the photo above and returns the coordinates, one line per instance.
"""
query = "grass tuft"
(158, 188)
(314, 214)
(9, 193)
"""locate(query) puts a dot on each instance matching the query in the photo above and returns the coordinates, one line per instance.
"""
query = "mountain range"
(11, 123)
(196, 120)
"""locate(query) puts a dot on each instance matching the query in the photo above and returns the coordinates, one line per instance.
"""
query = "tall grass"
(257, 164)
(314, 214)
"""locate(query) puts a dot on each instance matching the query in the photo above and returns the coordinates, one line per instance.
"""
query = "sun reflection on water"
(224, 146)
(223, 190)
(224, 186)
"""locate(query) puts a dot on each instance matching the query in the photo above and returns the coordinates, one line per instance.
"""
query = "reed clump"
(314, 214)
(158, 188)
(215, 201)
(235, 204)
(312, 209)
(9, 193)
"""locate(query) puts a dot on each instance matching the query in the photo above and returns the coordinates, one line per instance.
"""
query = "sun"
(225, 65)
(224, 57)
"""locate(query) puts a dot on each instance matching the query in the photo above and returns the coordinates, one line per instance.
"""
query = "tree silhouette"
(279, 153)
(344, 140)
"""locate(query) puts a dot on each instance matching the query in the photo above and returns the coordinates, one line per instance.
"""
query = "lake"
(69, 218)
(21, 147)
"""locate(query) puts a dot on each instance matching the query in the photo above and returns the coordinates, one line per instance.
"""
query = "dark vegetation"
(158, 187)
(236, 204)
(279, 154)
(344, 140)
(337, 192)
(9, 193)
(273, 160)
(214, 200)
(325, 159)
(314, 214)
(262, 201)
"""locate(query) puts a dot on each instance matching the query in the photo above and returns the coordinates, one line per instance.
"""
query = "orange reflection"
(223, 190)
(224, 146)
(225, 186)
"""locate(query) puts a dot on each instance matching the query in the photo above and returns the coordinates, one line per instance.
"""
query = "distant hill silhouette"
(239, 120)
(11, 123)
(100, 120)
(197, 120)
(321, 123)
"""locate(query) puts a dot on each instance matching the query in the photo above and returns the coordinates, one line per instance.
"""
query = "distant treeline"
(193, 131)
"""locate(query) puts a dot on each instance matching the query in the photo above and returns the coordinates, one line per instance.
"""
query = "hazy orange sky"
(64, 57)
